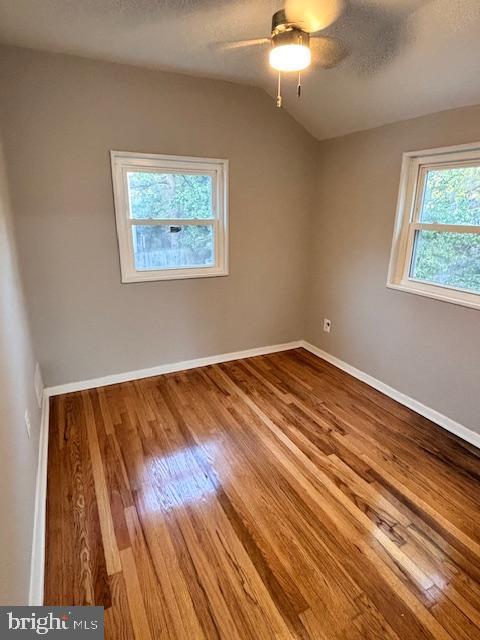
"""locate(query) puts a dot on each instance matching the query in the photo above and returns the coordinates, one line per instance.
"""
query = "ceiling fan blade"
(327, 52)
(313, 15)
(241, 44)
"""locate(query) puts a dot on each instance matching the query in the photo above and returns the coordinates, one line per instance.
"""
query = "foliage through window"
(171, 216)
(436, 247)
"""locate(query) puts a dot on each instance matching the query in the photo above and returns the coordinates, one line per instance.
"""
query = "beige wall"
(18, 454)
(62, 116)
(429, 350)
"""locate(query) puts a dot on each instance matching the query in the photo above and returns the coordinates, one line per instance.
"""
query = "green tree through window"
(166, 196)
(451, 197)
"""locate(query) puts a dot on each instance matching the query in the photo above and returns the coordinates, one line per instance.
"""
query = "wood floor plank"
(136, 605)
(272, 498)
(118, 623)
(112, 556)
(174, 588)
(81, 546)
(155, 606)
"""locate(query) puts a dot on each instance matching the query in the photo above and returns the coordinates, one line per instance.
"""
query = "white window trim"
(121, 162)
(414, 167)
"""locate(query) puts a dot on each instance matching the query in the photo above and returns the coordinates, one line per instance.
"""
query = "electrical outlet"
(28, 423)
(327, 325)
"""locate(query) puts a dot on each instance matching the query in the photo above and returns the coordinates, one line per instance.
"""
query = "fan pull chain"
(279, 88)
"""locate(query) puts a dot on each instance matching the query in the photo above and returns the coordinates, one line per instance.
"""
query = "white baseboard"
(168, 368)
(37, 565)
(435, 416)
(443, 421)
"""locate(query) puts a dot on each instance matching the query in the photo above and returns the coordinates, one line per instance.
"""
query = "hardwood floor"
(274, 497)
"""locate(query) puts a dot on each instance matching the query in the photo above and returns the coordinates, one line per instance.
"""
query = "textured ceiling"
(408, 57)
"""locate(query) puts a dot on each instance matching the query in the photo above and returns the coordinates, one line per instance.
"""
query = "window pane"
(452, 196)
(451, 259)
(169, 195)
(173, 247)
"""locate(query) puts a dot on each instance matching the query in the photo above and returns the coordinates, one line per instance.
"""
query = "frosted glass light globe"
(290, 57)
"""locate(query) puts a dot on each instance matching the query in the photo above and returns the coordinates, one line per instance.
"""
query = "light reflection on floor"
(179, 479)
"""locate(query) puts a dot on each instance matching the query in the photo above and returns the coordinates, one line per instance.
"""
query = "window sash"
(423, 170)
(429, 283)
(413, 227)
(216, 206)
(177, 223)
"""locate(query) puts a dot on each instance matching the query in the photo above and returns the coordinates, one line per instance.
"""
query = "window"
(436, 243)
(171, 214)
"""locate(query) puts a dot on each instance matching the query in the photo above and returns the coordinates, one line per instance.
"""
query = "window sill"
(471, 300)
(175, 274)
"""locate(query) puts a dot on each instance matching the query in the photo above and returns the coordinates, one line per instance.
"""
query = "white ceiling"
(408, 57)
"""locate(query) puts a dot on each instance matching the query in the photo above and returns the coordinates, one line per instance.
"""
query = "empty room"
(240, 319)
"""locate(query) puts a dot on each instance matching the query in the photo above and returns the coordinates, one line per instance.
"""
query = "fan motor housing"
(290, 36)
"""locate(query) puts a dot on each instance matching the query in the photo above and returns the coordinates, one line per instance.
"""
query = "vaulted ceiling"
(407, 57)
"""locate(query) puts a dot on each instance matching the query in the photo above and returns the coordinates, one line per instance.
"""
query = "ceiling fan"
(296, 40)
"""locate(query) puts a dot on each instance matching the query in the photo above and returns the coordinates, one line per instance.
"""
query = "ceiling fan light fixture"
(290, 57)
(290, 46)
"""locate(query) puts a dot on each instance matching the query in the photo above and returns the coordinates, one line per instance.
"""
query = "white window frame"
(124, 161)
(415, 165)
